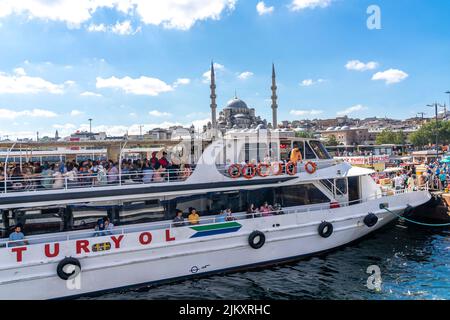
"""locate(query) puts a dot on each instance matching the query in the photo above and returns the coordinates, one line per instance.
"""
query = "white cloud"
(361, 66)
(35, 113)
(20, 71)
(90, 94)
(156, 113)
(245, 75)
(176, 14)
(139, 86)
(305, 113)
(121, 28)
(207, 74)
(19, 82)
(350, 110)
(310, 82)
(97, 28)
(390, 76)
(262, 9)
(298, 5)
(75, 113)
(181, 82)
(168, 13)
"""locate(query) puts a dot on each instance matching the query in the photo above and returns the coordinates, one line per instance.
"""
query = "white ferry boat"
(323, 204)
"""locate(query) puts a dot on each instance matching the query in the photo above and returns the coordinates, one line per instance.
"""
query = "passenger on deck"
(108, 226)
(17, 235)
(222, 216)
(99, 228)
(194, 217)
(266, 210)
(154, 160)
(229, 215)
(163, 162)
(147, 173)
(178, 221)
(102, 177)
(58, 180)
(113, 173)
(296, 154)
(252, 208)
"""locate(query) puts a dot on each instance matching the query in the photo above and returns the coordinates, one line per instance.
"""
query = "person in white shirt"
(398, 182)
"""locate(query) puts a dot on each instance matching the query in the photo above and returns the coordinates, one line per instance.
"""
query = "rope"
(417, 222)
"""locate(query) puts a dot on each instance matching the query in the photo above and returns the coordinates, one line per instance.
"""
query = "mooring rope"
(417, 222)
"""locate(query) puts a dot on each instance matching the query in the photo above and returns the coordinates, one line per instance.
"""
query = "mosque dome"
(236, 103)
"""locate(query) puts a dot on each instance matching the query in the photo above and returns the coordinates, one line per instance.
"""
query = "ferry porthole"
(61, 268)
(370, 220)
(256, 239)
(325, 229)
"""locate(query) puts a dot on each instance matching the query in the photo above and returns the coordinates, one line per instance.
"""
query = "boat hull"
(288, 236)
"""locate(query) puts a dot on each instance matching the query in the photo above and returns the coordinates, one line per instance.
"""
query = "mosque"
(236, 114)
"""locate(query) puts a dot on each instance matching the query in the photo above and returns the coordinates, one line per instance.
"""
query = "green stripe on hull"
(216, 226)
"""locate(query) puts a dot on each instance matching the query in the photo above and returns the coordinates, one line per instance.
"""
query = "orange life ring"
(234, 171)
(260, 172)
(310, 167)
(252, 171)
(280, 168)
(293, 167)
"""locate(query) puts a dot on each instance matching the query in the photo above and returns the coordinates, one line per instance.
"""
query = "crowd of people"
(225, 215)
(436, 176)
(71, 174)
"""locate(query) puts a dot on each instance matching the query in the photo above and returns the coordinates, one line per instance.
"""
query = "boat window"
(255, 151)
(353, 190)
(37, 220)
(309, 154)
(141, 212)
(319, 149)
(300, 195)
(341, 186)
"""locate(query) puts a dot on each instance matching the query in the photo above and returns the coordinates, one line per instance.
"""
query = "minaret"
(213, 98)
(274, 99)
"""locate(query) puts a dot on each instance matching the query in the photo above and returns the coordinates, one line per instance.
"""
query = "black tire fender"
(259, 236)
(325, 229)
(65, 262)
(370, 220)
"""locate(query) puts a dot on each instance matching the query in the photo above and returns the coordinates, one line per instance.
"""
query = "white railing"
(38, 182)
(74, 235)
(65, 182)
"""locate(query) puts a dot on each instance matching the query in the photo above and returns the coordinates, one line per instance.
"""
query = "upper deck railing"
(66, 181)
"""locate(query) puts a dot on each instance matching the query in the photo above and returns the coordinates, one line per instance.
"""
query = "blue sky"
(126, 63)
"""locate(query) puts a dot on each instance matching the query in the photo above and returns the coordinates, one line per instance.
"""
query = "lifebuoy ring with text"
(249, 171)
(263, 169)
(291, 168)
(277, 168)
(234, 171)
